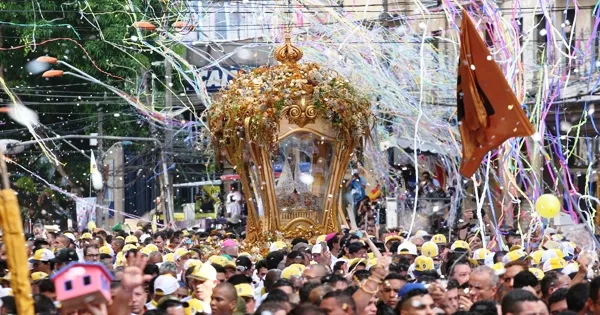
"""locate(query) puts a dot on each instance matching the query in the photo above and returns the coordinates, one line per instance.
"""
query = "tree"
(93, 36)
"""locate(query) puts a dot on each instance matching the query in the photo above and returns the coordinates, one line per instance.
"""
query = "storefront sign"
(216, 79)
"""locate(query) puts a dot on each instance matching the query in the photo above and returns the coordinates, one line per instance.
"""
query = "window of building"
(567, 26)
(435, 39)
(68, 285)
(540, 38)
(87, 280)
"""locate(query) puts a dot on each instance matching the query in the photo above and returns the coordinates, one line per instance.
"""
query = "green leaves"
(26, 184)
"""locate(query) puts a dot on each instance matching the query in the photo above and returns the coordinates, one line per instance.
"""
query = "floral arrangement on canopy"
(266, 94)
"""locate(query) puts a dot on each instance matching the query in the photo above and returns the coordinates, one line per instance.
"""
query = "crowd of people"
(193, 272)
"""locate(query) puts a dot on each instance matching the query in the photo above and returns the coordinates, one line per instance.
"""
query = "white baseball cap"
(144, 237)
(42, 254)
(570, 268)
(317, 249)
(568, 248)
(408, 248)
(166, 283)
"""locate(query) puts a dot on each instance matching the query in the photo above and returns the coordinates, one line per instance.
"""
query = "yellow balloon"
(547, 206)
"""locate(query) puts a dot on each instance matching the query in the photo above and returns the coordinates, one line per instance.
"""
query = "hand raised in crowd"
(100, 309)
(464, 303)
(444, 254)
(383, 266)
(325, 258)
(133, 274)
(467, 216)
(440, 298)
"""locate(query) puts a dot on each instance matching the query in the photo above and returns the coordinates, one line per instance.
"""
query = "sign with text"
(216, 78)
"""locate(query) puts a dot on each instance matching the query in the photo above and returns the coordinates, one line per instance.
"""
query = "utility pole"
(167, 155)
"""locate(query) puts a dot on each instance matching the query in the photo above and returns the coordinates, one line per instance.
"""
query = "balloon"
(547, 206)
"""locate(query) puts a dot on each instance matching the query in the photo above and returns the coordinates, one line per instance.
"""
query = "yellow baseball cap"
(551, 245)
(439, 239)
(244, 290)
(169, 257)
(423, 263)
(559, 252)
(515, 255)
(275, 246)
(514, 248)
(352, 263)
(230, 264)
(128, 247)
(557, 237)
(204, 272)
(536, 256)
(430, 249)
(320, 239)
(554, 263)
(498, 268)
(85, 236)
(192, 263)
(391, 238)
(293, 271)
(538, 273)
(481, 253)
(37, 276)
(105, 250)
(180, 252)
(460, 245)
(131, 239)
(146, 251)
(152, 247)
(218, 260)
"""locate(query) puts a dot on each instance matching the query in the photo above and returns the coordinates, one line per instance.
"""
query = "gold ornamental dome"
(300, 92)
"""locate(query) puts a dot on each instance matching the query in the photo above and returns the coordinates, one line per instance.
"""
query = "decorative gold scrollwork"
(300, 114)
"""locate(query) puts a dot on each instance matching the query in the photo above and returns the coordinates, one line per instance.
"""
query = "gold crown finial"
(288, 53)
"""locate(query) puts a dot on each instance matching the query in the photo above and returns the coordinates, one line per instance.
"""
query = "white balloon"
(96, 180)
(36, 67)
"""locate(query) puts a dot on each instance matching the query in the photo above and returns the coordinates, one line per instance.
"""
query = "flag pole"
(12, 228)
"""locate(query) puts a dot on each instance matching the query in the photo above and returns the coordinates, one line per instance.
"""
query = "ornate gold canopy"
(305, 121)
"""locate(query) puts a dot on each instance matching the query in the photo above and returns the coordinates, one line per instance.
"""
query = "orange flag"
(488, 110)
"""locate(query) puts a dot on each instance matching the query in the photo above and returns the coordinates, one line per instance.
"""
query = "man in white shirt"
(234, 203)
